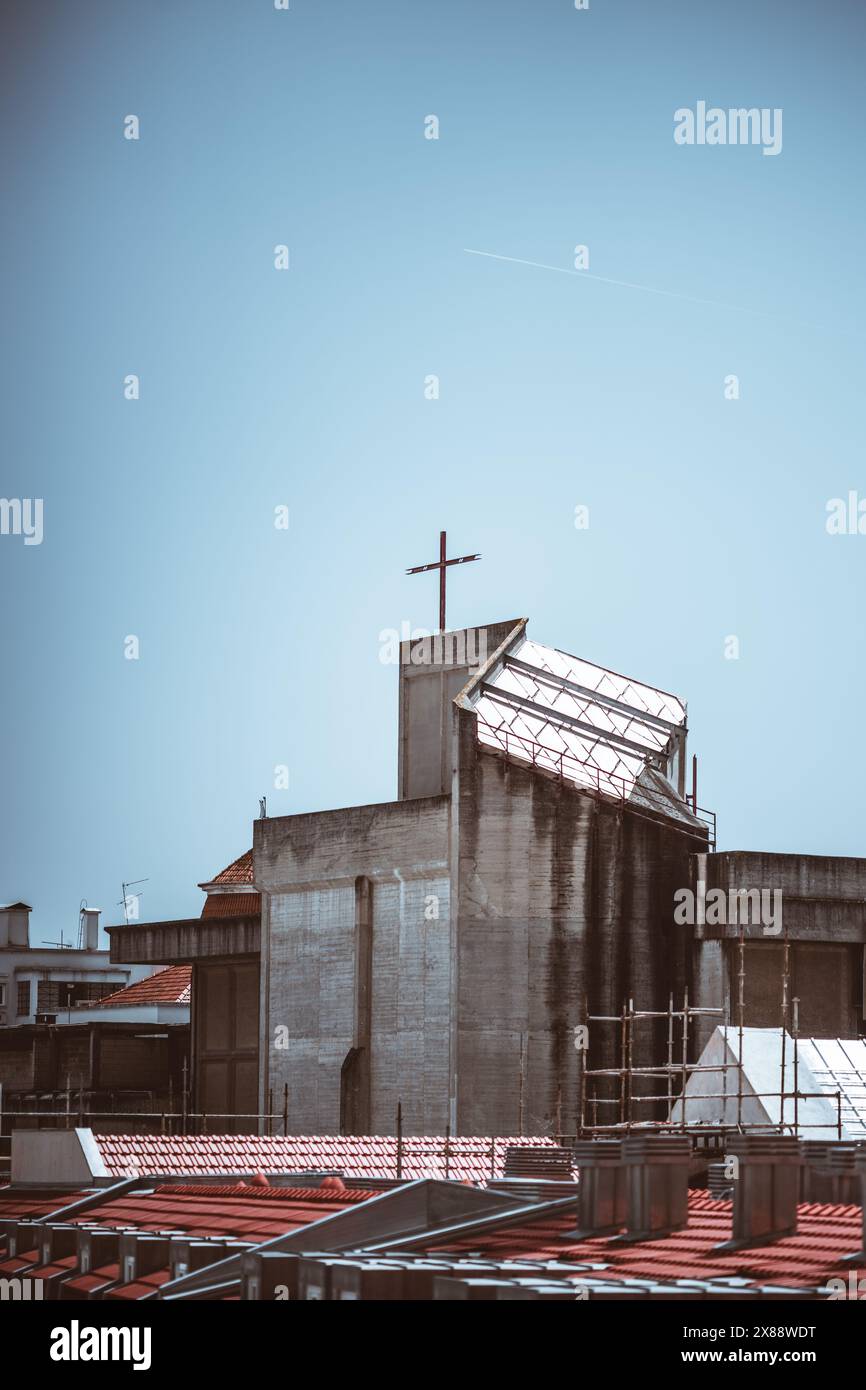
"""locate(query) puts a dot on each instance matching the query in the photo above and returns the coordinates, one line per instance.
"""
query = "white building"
(48, 982)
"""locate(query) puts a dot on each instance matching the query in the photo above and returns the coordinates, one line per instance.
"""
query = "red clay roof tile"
(171, 986)
(825, 1235)
(232, 905)
(254, 1213)
(239, 871)
(357, 1156)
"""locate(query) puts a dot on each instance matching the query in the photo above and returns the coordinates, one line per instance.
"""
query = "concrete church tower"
(439, 950)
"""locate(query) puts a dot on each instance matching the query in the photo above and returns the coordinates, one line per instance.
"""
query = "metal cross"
(441, 564)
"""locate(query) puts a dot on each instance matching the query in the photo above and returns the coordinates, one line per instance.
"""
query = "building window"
(23, 997)
(2, 994)
(54, 996)
(47, 997)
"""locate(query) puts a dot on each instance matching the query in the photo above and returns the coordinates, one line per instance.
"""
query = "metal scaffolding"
(676, 1071)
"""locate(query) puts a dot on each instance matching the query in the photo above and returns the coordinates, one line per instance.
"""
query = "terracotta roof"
(356, 1156)
(253, 1215)
(232, 905)
(69, 1262)
(20, 1206)
(86, 1283)
(322, 1195)
(147, 1284)
(250, 1214)
(825, 1234)
(171, 986)
(16, 1263)
(239, 871)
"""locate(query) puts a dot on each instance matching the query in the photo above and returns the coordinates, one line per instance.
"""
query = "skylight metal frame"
(587, 724)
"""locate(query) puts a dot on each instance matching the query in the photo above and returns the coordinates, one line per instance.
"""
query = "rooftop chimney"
(601, 1206)
(90, 917)
(657, 1177)
(829, 1172)
(860, 1166)
(766, 1187)
(15, 925)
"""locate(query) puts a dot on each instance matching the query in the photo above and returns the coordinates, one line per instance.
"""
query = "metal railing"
(582, 773)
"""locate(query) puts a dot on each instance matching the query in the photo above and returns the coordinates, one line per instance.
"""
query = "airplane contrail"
(624, 284)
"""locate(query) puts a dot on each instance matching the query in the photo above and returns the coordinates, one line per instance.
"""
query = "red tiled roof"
(322, 1195)
(55, 1267)
(169, 986)
(825, 1234)
(19, 1206)
(357, 1156)
(232, 905)
(86, 1283)
(148, 1283)
(252, 1215)
(239, 871)
(15, 1263)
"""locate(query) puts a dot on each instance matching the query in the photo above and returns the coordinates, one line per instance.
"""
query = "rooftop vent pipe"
(829, 1173)
(657, 1179)
(90, 925)
(142, 1253)
(719, 1185)
(766, 1187)
(601, 1208)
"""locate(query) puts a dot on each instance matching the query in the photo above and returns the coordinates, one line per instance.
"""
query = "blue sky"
(305, 388)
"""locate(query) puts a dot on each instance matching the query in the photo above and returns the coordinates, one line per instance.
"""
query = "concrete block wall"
(311, 985)
(410, 1005)
(429, 680)
(823, 915)
(317, 874)
(16, 1066)
(561, 897)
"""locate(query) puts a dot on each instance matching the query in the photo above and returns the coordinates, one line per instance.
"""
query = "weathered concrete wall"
(821, 910)
(561, 897)
(192, 939)
(322, 876)
(17, 1061)
(56, 1156)
(410, 1005)
(328, 847)
(311, 984)
(432, 671)
(823, 898)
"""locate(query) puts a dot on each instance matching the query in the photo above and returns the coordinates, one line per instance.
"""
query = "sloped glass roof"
(839, 1067)
(591, 726)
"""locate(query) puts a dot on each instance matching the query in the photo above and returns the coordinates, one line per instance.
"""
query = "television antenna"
(128, 897)
(64, 945)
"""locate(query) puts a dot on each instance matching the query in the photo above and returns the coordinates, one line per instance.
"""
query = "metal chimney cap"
(657, 1148)
(836, 1156)
(592, 1153)
(765, 1148)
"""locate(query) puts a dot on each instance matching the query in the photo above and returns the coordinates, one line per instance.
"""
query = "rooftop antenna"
(263, 808)
(64, 945)
(128, 897)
